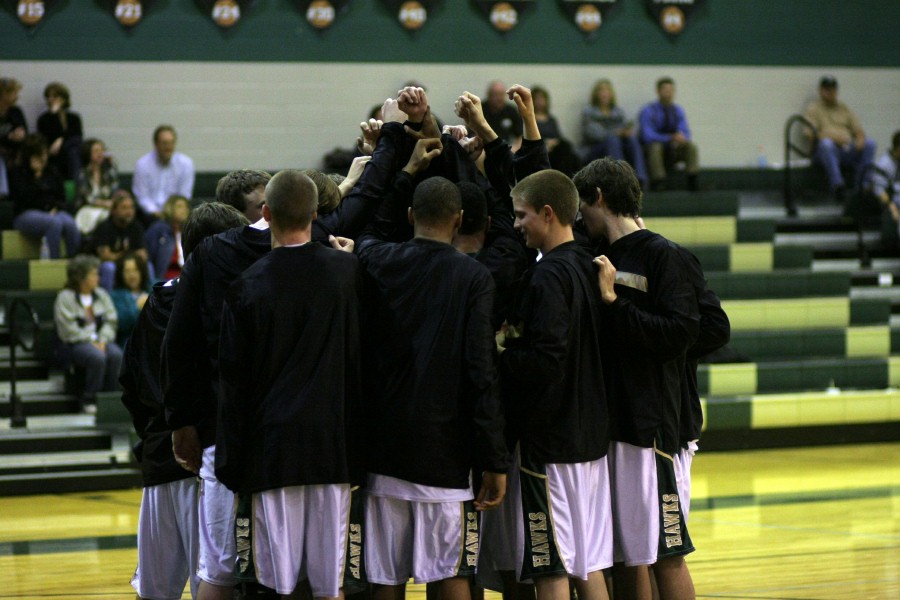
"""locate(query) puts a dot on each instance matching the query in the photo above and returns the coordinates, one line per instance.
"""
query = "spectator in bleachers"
(161, 173)
(12, 129)
(887, 185)
(841, 140)
(502, 116)
(39, 198)
(131, 290)
(62, 129)
(667, 137)
(607, 132)
(163, 239)
(86, 323)
(97, 181)
(118, 234)
(562, 154)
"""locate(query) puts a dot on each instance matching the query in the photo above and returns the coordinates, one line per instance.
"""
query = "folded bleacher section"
(818, 363)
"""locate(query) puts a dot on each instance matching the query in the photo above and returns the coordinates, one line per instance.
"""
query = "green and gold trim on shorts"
(245, 569)
(354, 549)
(469, 540)
(541, 556)
(674, 539)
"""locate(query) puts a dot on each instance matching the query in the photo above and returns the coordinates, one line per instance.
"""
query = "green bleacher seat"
(801, 410)
(41, 301)
(47, 274)
(850, 342)
(694, 231)
(15, 245)
(13, 274)
(690, 204)
(805, 313)
(779, 284)
(793, 376)
(758, 257)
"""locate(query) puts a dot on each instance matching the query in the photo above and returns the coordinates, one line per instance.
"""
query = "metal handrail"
(864, 188)
(789, 147)
(25, 338)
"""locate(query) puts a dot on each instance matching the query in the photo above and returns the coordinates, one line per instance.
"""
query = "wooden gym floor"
(810, 524)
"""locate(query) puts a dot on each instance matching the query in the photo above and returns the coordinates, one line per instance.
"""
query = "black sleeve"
(48, 125)
(391, 223)
(479, 358)
(74, 125)
(540, 356)
(673, 326)
(184, 371)
(131, 380)
(356, 210)
(504, 169)
(234, 392)
(715, 328)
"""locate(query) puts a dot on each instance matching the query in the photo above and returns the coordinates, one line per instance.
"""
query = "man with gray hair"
(289, 385)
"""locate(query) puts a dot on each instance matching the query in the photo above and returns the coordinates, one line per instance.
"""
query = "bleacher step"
(59, 462)
(42, 405)
(69, 481)
(31, 441)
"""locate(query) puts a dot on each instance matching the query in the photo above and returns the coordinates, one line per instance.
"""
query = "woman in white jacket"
(86, 323)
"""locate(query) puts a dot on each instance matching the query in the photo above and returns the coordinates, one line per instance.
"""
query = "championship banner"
(226, 13)
(322, 13)
(30, 12)
(413, 15)
(589, 16)
(673, 15)
(127, 12)
(504, 16)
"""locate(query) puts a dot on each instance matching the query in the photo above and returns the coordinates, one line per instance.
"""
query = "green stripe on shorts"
(674, 539)
(354, 557)
(245, 569)
(541, 557)
(468, 552)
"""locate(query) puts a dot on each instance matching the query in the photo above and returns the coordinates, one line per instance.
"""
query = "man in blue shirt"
(667, 137)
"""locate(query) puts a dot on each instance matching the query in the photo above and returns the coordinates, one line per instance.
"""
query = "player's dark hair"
(616, 181)
(436, 201)
(234, 187)
(474, 206)
(209, 219)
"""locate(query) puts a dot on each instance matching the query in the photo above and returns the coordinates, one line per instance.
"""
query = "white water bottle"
(45, 249)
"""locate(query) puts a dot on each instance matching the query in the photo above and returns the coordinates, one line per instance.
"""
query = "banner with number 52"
(504, 16)
(226, 13)
(673, 15)
(321, 14)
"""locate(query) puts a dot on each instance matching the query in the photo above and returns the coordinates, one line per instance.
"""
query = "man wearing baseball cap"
(841, 139)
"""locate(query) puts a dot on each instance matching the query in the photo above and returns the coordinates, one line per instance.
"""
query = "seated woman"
(62, 130)
(562, 155)
(163, 239)
(86, 323)
(606, 132)
(97, 181)
(130, 292)
(39, 200)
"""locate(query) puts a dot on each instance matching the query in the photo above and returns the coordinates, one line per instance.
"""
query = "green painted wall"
(854, 33)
